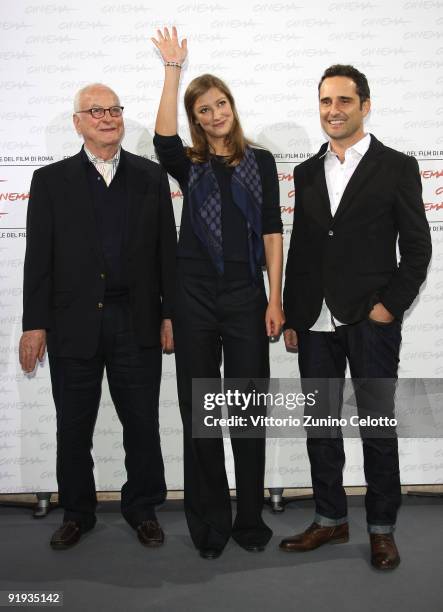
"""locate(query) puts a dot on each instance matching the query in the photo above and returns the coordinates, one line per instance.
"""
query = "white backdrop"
(272, 54)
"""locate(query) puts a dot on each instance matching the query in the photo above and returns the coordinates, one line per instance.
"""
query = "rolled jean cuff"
(381, 528)
(324, 521)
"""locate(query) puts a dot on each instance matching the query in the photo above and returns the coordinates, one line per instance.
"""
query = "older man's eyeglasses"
(98, 112)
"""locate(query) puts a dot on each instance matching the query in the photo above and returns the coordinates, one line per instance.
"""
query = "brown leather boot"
(384, 552)
(316, 536)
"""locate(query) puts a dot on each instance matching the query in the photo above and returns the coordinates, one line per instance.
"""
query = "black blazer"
(350, 259)
(63, 272)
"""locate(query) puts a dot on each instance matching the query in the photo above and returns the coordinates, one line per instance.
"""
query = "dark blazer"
(350, 259)
(64, 267)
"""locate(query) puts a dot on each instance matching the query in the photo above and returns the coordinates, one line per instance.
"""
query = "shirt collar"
(97, 160)
(359, 147)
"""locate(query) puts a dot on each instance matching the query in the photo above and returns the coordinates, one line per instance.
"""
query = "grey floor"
(109, 570)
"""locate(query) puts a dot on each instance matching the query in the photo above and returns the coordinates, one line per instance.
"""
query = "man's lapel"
(362, 174)
(137, 183)
(319, 205)
(79, 194)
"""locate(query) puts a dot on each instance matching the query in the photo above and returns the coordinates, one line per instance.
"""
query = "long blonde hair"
(236, 141)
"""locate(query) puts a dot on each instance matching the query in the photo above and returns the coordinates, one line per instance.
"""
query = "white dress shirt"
(338, 175)
(106, 168)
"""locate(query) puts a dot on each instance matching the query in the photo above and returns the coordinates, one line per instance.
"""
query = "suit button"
(100, 305)
(102, 275)
(330, 233)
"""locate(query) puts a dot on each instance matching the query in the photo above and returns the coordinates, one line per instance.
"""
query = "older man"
(98, 283)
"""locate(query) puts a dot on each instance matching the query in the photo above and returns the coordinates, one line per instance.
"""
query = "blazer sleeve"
(37, 274)
(167, 246)
(414, 242)
(290, 289)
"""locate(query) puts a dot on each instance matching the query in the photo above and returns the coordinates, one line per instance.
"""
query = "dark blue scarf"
(205, 208)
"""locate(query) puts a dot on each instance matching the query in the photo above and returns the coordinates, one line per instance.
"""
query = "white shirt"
(106, 168)
(338, 176)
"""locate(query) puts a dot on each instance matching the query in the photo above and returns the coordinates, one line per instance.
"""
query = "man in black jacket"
(98, 285)
(345, 296)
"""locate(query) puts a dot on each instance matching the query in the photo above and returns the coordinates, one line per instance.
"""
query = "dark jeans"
(373, 352)
(215, 316)
(134, 383)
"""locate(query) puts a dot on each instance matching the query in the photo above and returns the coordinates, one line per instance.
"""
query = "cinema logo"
(351, 6)
(436, 196)
(201, 7)
(14, 26)
(48, 9)
(12, 196)
(124, 9)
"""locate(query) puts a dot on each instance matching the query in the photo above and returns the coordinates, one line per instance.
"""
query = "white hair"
(78, 96)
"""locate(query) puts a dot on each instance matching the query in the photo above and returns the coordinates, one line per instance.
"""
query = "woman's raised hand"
(169, 46)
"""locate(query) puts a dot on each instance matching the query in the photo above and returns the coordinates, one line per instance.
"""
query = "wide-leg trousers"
(216, 318)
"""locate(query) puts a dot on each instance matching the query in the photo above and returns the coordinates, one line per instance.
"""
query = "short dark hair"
(346, 70)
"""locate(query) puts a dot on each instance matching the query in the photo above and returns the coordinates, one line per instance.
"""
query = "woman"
(230, 224)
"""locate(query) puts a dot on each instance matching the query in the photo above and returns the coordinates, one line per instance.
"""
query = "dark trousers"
(215, 316)
(134, 381)
(373, 353)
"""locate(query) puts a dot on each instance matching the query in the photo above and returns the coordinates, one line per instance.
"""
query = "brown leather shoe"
(316, 536)
(66, 536)
(150, 533)
(384, 552)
